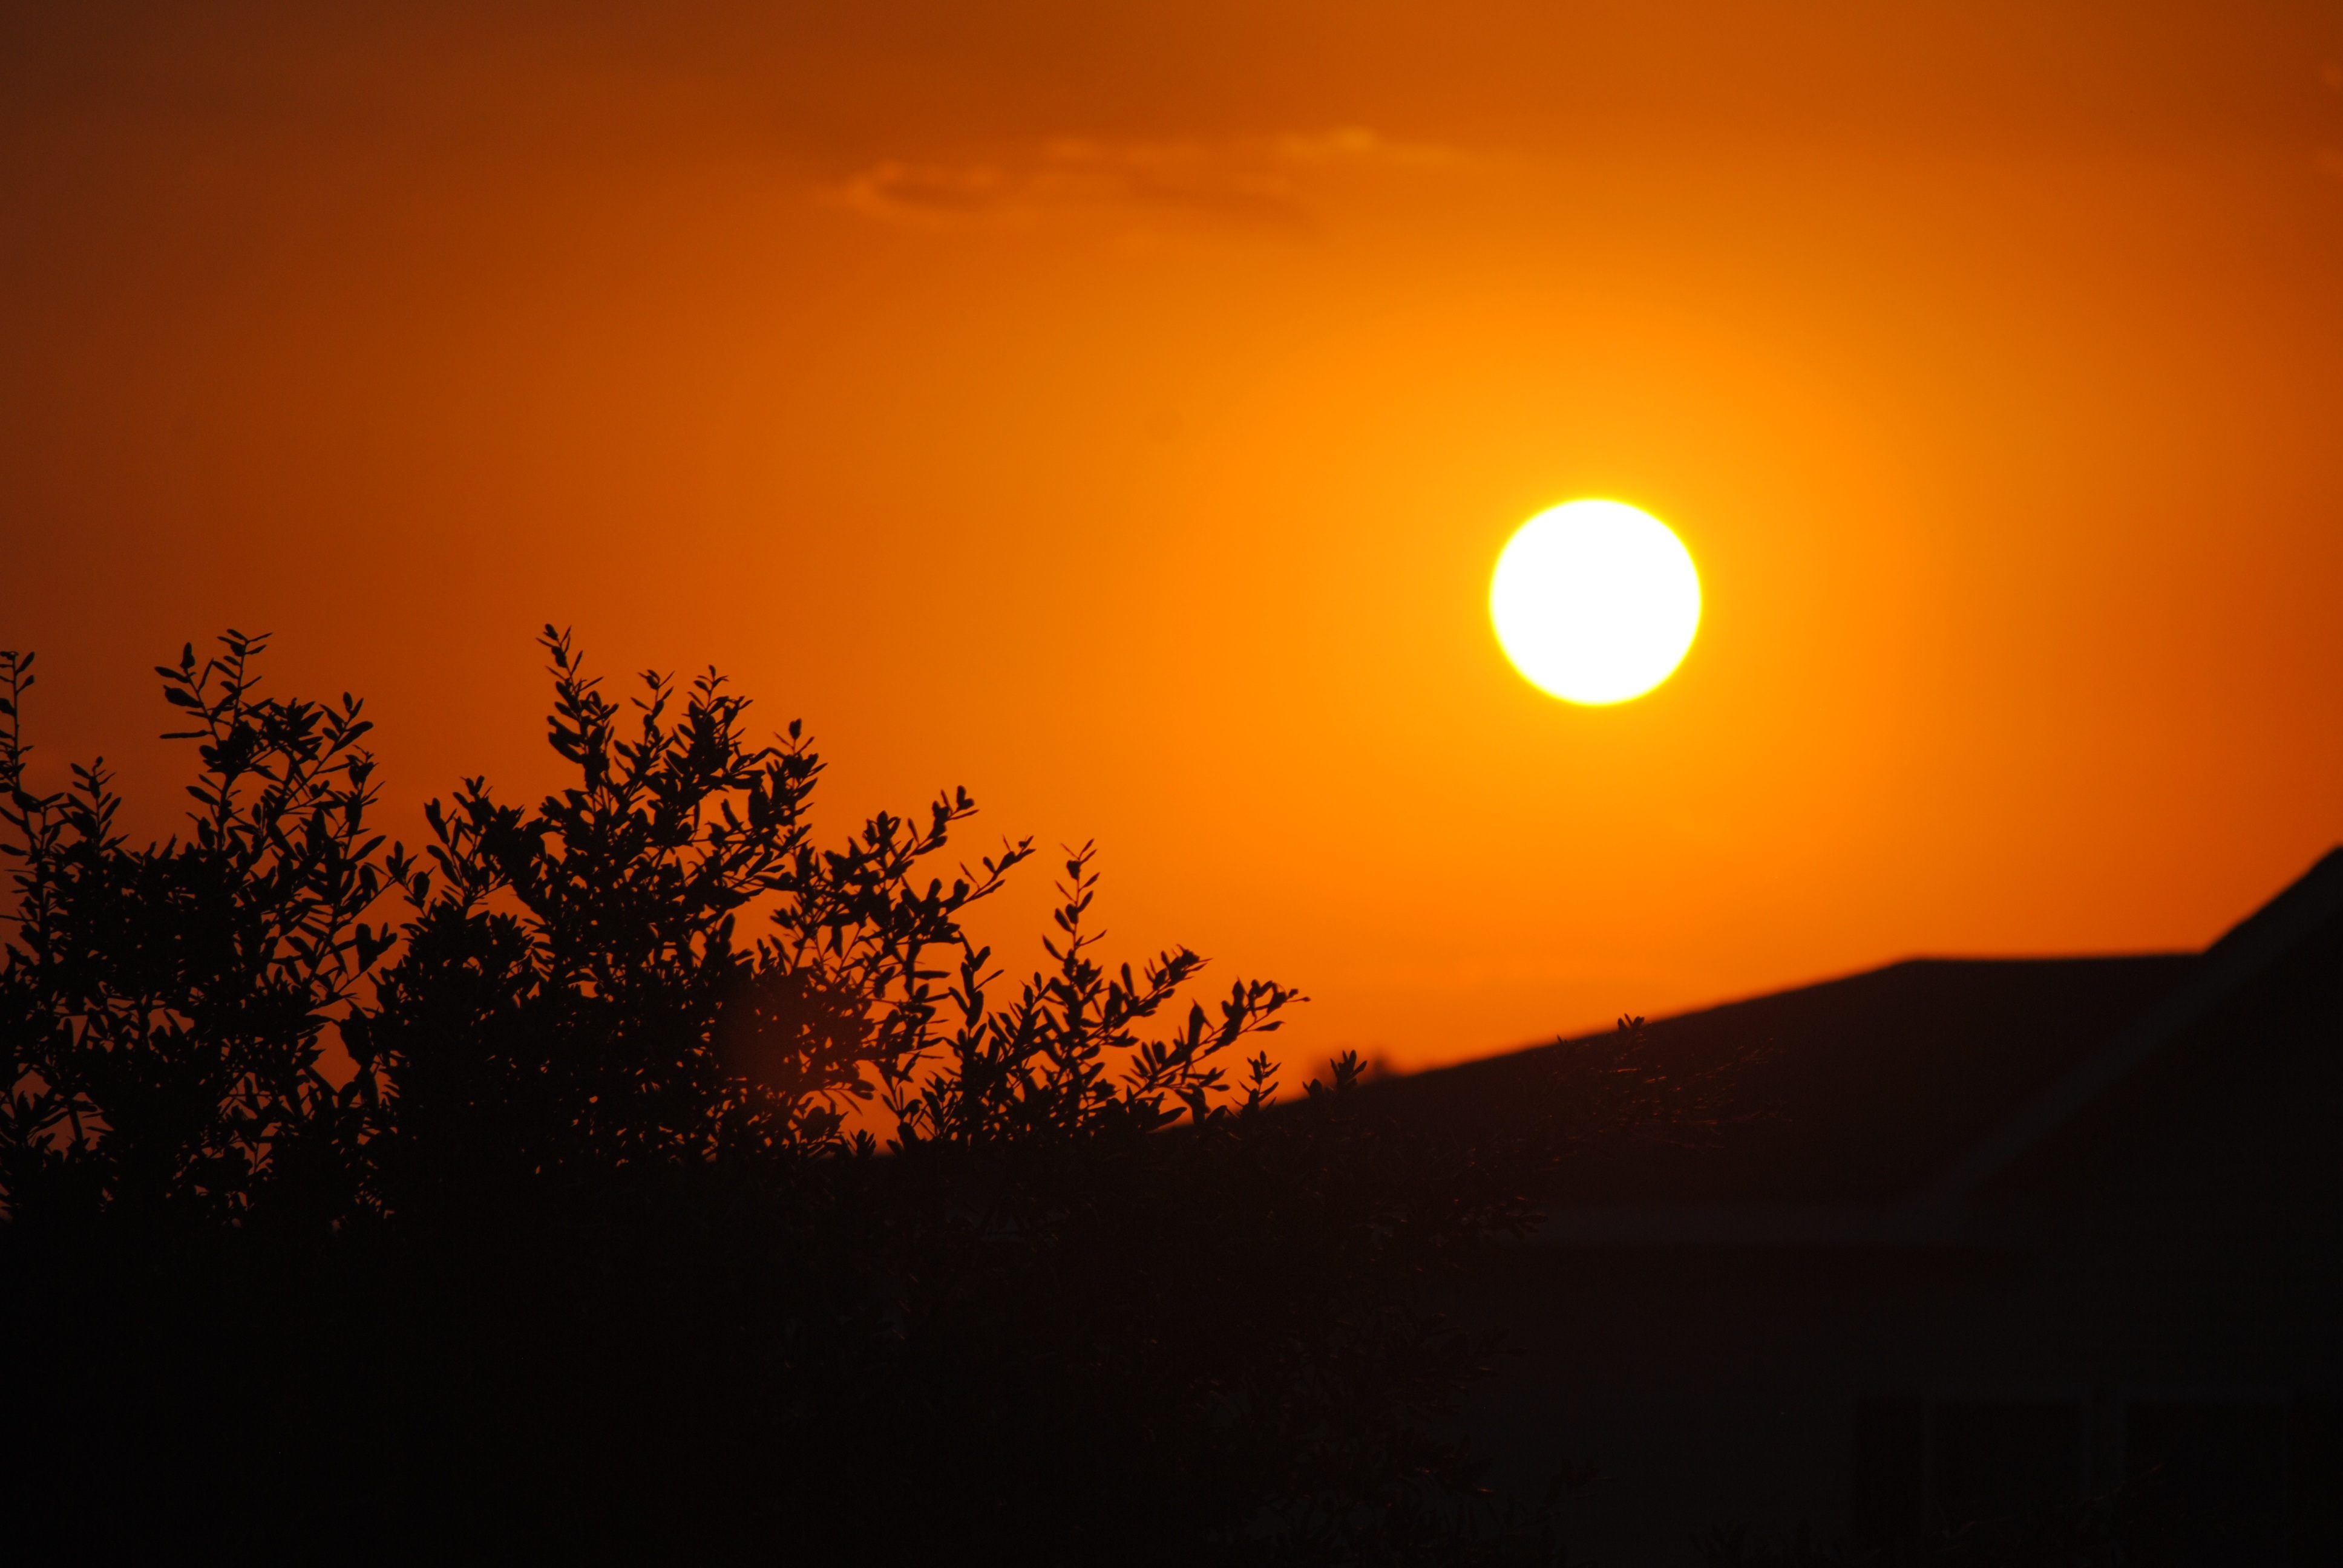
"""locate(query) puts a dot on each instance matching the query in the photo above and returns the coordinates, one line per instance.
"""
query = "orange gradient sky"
(1117, 409)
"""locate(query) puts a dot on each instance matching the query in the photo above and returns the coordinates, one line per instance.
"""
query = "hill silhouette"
(1851, 1091)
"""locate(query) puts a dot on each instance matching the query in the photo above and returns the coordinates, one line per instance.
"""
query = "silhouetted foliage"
(163, 1007)
(592, 1244)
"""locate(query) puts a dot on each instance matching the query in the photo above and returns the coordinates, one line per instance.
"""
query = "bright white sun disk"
(1594, 601)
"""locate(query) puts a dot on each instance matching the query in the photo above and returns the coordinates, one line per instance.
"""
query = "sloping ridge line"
(2250, 947)
(1934, 1214)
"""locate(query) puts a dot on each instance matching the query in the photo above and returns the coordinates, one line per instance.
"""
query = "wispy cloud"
(1259, 180)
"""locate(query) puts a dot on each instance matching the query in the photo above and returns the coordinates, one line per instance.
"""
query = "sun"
(1594, 601)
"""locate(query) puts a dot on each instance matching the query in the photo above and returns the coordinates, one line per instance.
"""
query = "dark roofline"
(1934, 1216)
(2249, 947)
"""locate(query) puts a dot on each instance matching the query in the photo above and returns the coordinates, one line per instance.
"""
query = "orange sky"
(1117, 409)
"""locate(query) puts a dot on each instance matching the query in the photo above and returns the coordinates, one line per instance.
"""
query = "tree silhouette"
(163, 1007)
(595, 1248)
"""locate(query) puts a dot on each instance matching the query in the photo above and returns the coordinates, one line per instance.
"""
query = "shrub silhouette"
(591, 1247)
(163, 1007)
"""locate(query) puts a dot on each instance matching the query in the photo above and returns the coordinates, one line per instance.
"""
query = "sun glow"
(1594, 601)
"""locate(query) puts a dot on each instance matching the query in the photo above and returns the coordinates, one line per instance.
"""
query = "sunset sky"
(1117, 409)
